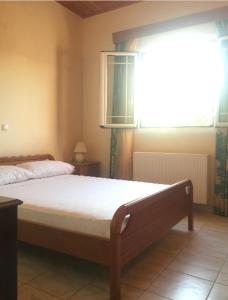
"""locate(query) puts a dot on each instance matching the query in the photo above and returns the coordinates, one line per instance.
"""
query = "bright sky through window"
(179, 80)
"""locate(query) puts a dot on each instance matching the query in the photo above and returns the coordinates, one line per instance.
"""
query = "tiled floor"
(182, 266)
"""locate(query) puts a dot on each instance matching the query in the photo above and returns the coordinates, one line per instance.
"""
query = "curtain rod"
(213, 15)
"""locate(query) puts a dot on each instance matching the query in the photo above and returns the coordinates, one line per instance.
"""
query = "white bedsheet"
(77, 203)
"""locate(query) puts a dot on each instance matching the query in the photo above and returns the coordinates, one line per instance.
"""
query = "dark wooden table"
(8, 248)
(87, 168)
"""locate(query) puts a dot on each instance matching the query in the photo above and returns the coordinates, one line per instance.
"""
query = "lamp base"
(79, 157)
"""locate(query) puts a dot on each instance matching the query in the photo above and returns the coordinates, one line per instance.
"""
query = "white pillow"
(13, 174)
(47, 168)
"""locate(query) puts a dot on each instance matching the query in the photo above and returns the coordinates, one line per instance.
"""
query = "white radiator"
(169, 168)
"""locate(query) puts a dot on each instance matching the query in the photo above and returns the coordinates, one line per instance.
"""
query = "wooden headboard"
(13, 160)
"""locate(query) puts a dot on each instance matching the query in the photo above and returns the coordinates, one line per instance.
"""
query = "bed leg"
(115, 283)
(190, 212)
(115, 272)
(190, 220)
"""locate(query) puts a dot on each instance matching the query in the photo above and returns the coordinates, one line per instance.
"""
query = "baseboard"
(202, 207)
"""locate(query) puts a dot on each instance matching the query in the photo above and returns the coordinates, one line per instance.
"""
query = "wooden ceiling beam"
(87, 9)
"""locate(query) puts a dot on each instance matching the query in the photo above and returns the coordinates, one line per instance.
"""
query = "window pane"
(179, 81)
(223, 106)
(120, 89)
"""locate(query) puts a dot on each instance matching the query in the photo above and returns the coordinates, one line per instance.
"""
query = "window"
(179, 80)
(118, 89)
(176, 82)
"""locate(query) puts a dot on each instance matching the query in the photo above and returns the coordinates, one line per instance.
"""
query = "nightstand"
(89, 168)
(8, 248)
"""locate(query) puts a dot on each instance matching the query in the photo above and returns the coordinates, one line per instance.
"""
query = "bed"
(131, 221)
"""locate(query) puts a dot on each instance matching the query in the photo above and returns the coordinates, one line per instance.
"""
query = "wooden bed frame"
(150, 218)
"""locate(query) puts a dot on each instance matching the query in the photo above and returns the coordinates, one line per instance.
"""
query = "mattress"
(76, 203)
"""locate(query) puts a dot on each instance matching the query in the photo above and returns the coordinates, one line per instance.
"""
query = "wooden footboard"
(149, 219)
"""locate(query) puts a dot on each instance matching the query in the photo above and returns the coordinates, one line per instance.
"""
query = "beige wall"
(40, 78)
(97, 36)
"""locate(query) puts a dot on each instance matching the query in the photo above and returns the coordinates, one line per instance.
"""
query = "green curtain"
(221, 184)
(121, 138)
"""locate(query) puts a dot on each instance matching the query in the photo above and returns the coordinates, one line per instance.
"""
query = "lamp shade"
(80, 148)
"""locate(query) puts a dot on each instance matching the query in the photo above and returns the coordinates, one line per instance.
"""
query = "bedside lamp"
(80, 150)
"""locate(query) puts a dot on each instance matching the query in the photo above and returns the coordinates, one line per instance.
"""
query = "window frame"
(103, 89)
(137, 122)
